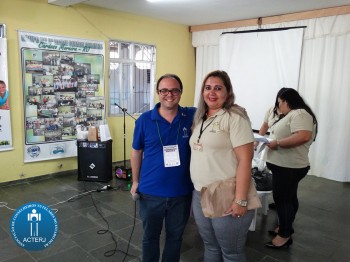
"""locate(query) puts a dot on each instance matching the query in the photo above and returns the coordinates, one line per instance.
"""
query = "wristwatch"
(242, 203)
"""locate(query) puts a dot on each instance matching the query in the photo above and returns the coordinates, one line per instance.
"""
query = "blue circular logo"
(34, 226)
(33, 151)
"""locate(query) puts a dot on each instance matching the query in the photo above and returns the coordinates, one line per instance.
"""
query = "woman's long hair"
(295, 101)
(275, 109)
(229, 105)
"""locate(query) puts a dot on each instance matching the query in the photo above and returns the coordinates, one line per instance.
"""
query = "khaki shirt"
(217, 160)
(295, 157)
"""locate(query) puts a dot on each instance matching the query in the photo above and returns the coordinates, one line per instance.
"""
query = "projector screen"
(259, 63)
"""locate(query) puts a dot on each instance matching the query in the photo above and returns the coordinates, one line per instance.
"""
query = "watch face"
(242, 203)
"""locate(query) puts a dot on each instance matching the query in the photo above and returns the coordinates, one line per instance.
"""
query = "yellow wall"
(175, 54)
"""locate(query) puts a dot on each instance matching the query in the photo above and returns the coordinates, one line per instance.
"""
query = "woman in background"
(271, 116)
(287, 158)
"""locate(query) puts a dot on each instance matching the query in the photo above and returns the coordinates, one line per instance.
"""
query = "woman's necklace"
(203, 129)
(209, 115)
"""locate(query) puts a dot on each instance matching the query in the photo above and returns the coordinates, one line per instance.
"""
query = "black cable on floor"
(86, 192)
(110, 253)
(132, 232)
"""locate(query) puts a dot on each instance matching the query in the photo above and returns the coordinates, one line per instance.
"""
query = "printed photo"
(51, 58)
(93, 79)
(33, 66)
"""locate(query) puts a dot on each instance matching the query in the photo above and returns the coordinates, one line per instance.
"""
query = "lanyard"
(202, 130)
(177, 136)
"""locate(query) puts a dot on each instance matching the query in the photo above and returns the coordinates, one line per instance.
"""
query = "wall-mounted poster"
(63, 86)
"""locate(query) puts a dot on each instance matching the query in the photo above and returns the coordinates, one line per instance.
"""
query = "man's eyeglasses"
(165, 92)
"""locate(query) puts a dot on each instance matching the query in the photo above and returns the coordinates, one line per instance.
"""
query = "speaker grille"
(95, 161)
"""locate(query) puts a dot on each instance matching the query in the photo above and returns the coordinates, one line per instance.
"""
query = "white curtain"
(259, 64)
(324, 83)
(207, 60)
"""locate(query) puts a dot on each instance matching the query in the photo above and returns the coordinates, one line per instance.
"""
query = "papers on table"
(263, 140)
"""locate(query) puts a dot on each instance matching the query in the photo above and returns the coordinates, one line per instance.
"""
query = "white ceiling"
(200, 12)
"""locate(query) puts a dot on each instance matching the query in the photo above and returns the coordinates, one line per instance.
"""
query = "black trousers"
(285, 183)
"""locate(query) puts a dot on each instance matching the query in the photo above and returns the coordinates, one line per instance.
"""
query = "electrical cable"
(132, 232)
(111, 252)
(108, 253)
(5, 204)
(71, 199)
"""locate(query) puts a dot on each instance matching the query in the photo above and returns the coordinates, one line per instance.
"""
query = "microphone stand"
(121, 171)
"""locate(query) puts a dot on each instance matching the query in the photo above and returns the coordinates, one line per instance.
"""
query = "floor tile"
(321, 226)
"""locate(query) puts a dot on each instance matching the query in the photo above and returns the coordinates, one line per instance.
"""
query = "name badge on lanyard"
(171, 155)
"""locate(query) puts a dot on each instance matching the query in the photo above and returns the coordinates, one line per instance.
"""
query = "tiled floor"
(322, 225)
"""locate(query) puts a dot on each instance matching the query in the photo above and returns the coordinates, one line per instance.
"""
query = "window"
(131, 77)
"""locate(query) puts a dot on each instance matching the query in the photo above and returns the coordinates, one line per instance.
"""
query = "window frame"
(129, 63)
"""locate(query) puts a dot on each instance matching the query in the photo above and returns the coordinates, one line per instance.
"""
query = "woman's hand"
(236, 210)
(273, 145)
(296, 139)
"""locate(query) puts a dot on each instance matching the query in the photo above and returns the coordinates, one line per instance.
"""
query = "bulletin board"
(63, 86)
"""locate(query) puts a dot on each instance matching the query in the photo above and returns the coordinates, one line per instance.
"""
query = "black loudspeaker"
(95, 161)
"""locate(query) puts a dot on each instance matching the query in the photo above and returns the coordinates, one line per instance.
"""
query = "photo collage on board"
(61, 92)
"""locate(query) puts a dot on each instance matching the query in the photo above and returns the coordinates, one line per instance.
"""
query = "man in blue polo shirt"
(160, 161)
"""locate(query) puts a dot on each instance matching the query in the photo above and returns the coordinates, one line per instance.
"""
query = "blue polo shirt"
(155, 178)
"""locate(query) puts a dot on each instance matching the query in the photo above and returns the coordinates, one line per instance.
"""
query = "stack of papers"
(263, 140)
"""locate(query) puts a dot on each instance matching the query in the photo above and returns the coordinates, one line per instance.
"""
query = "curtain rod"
(263, 30)
(332, 11)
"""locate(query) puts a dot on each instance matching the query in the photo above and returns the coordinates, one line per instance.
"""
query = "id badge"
(198, 147)
(171, 156)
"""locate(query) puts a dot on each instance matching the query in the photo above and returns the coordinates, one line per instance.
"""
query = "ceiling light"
(167, 1)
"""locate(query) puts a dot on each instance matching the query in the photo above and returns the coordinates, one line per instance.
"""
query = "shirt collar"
(156, 116)
(218, 113)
